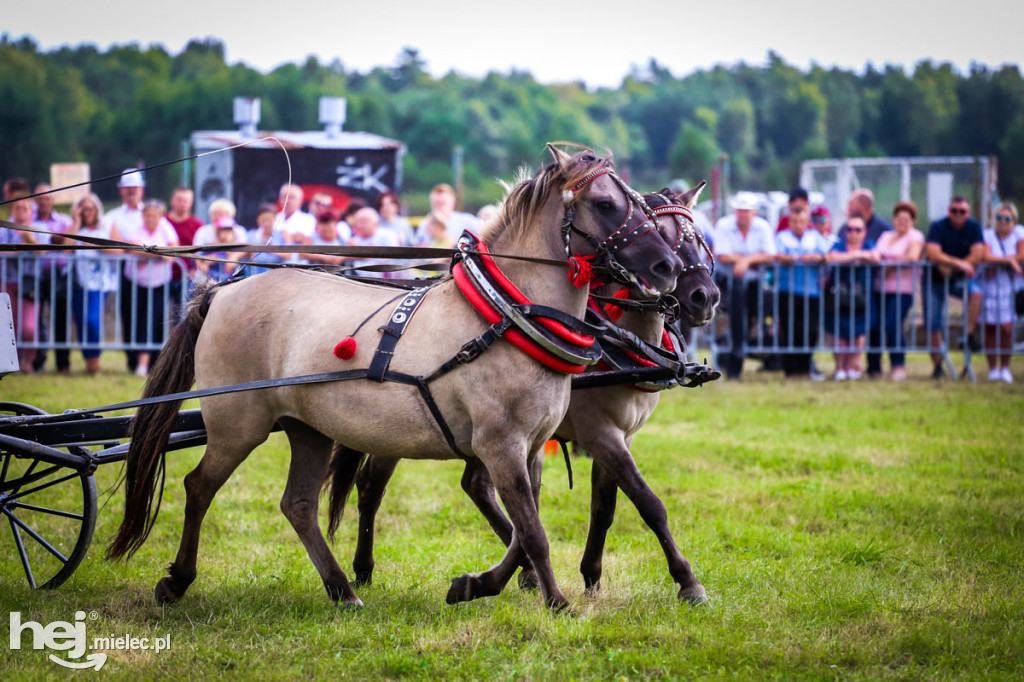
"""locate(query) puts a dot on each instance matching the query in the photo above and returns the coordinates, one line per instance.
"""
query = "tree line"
(129, 104)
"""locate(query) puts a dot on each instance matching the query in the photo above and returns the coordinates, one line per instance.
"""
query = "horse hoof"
(164, 591)
(528, 580)
(592, 589)
(693, 595)
(351, 604)
(560, 605)
(467, 588)
(363, 580)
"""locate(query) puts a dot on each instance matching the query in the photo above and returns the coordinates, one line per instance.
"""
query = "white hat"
(744, 201)
(131, 177)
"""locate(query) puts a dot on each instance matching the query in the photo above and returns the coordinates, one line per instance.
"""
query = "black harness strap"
(392, 332)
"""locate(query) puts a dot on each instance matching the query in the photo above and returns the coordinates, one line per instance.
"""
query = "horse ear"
(560, 156)
(689, 197)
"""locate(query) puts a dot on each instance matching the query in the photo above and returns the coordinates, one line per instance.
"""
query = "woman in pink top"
(900, 250)
(143, 305)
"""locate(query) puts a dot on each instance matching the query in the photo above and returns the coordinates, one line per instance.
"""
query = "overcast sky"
(596, 41)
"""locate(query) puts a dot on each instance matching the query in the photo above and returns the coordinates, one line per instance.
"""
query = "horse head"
(606, 226)
(695, 290)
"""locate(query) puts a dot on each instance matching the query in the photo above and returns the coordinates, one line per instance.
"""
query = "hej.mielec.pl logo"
(70, 637)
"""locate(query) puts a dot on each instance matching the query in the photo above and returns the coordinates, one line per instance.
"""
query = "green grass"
(853, 531)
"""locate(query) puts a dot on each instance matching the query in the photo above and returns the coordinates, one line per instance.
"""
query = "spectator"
(186, 225)
(821, 220)
(798, 198)
(13, 188)
(20, 277)
(95, 275)
(801, 252)
(846, 297)
(226, 233)
(862, 205)
(264, 233)
(487, 213)
(127, 219)
(327, 234)
(354, 205)
(143, 311)
(955, 245)
(180, 216)
(219, 209)
(388, 205)
(442, 204)
(1004, 250)
(365, 232)
(899, 249)
(54, 272)
(743, 241)
(296, 225)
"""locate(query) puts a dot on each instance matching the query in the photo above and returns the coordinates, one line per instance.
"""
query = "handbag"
(851, 296)
(1018, 295)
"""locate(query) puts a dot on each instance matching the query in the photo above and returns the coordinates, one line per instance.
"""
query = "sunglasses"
(818, 220)
(855, 230)
(1004, 218)
(958, 211)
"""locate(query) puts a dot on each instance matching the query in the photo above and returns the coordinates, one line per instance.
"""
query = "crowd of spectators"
(39, 285)
(863, 278)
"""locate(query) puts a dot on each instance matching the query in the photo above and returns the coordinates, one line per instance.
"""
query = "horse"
(499, 406)
(601, 420)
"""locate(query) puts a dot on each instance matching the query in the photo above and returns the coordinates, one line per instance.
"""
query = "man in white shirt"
(743, 241)
(442, 203)
(127, 219)
(296, 225)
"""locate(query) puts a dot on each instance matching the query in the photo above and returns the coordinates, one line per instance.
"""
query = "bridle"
(687, 232)
(605, 250)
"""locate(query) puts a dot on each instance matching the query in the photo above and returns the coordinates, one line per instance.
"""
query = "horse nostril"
(698, 298)
(665, 268)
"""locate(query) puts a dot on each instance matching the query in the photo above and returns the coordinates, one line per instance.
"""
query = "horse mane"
(526, 195)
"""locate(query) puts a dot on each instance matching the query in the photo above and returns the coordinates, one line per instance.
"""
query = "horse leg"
(201, 485)
(476, 483)
(371, 484)
(603, 496)
(311, 453)
(512, 479)
(613, 457)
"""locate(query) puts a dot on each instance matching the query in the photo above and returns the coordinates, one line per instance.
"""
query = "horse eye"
(605, 206)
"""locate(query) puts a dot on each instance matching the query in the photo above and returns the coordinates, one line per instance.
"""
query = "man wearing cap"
(127, 219)
(442, 204)
(743, 241)
(798, 199)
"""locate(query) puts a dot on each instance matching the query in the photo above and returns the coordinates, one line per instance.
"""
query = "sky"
(598, 42)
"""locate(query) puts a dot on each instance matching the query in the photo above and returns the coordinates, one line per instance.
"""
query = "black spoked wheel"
(48, 509)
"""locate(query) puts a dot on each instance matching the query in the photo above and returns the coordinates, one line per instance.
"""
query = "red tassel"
(580, 271)
(345, 349)
(613, 311)
(666, 341)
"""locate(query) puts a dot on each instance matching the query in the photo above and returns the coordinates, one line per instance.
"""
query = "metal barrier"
(93, 301)
(895, 308)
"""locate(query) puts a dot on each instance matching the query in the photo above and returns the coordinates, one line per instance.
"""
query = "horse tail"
(149, 431)
(341, 477)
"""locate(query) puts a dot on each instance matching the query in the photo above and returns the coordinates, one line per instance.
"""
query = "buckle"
(470, 352)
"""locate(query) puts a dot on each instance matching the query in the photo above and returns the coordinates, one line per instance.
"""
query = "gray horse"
(601, 420)
(500, 408)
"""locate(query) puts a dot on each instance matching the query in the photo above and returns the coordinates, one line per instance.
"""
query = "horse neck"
(647, 326)
(543, 284)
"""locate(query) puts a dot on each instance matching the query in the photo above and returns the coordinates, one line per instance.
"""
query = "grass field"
(843, 531)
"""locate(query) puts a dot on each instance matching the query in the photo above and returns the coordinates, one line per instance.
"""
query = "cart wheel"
(50, 510)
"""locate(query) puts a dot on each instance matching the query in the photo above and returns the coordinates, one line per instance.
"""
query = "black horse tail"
(149, 431)
(341, 478)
